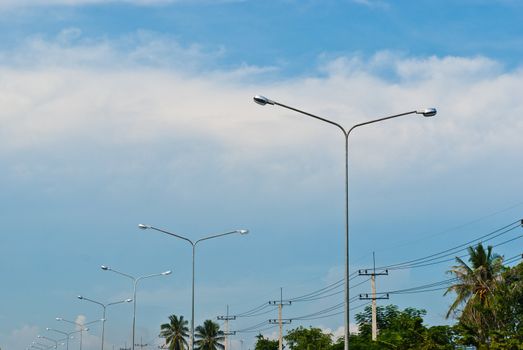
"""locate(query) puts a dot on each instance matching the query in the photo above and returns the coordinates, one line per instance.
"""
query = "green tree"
(400, 329)
(263, 343)
(175, 333)
(475, 288)
(308, 339)
(209, 336)
(438, 338)
(507, 308)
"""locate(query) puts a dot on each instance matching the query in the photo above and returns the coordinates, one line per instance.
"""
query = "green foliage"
(308, 339)
(209, 336)
(265, 344)
(400, 329)
(175, 333)
(475, 288)
(438, 338)
(489, 301)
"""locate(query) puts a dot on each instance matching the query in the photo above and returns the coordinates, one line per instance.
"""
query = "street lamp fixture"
(427, 112)
(82, 327)
(135, 283)
(104, 306)
(193, 244)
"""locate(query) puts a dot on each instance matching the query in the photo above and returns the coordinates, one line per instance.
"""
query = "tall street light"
(104, 306)
(49, 339)
(428, 112)
(82, 326)
(135, 282)
(193, 244)
(68, 335)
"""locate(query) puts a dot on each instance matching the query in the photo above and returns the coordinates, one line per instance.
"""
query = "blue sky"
(127, 112)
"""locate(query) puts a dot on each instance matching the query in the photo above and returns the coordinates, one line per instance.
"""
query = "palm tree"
(209, 336)
(474, 288)
(175, 333)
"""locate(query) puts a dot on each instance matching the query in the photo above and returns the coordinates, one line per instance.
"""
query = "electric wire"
(424, 261)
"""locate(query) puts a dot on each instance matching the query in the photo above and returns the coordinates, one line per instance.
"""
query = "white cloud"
(81, 91)
(10, 4)
(20, 338)
(23, 3)
(69, 48)
(372, 3)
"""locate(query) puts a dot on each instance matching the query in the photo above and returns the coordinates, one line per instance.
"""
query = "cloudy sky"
(116, 113)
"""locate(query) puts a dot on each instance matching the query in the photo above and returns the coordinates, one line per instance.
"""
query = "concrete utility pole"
(141, 345)
(280, 321)
(373, 297)
(226, 318)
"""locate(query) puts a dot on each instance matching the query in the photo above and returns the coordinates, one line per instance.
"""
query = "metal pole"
(428, 112)
(193, 244)
(135, 285)
(134, 309)
(192, 299)
(347, 312)
(103, 326)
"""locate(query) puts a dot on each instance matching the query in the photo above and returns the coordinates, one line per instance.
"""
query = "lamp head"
(59, 319)
(427, 112)
(105, 268)
(80, 297)
(262, 100)
(47, 329)
(128, 300)
(143, 227)
(242, 232)
(86, 329)
(168, 272)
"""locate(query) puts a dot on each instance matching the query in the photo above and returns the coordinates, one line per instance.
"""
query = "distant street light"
(82, 329)
(135, 282)
(428, 112)
(193, 244)
(51, 340)
(68, 335)
(37, 345)
(104, 306)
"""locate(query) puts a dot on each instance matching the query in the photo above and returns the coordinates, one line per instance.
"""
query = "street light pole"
(135, 282)
(193, 244)
(104, 306)
(68, 335)
(50, 339)
(428, 112)
(82, 329)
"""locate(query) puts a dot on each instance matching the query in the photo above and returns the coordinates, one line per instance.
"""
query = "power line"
(453, 250)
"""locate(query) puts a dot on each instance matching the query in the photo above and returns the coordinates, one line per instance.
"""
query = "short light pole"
(104, 306)
(68, 335)
(51, 340)
(42, 346)
(39, 346)
(193, 244)
(428, 112)
(82, 326)
(135, 282)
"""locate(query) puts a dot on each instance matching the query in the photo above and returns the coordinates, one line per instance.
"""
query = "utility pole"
(125, 347)
(373, 297)
(141, 345)
(226, 318)
(280, 321)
